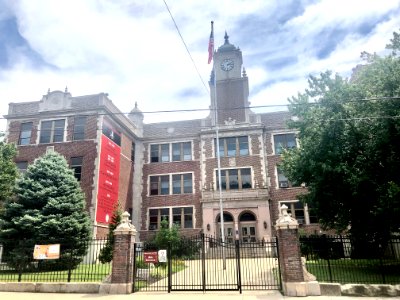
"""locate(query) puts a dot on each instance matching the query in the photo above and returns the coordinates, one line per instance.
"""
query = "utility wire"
(187, 49)
(366, 118)
(230, 109)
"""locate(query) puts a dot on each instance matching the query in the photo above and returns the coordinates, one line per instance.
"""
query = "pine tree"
(8, 172)
(50, 209)
(106, 253)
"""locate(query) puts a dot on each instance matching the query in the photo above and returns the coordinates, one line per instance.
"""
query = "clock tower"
(232, 86)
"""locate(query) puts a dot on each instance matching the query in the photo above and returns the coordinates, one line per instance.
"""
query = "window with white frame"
(284, 141)
(76, 166)
(22, 166)
(234, 179)
(302, 213)
(79, 128)
(180, 151)
(233, 146)
(181, 184)
(25, 134)
(182, 217)
(283, 181)
(52, 131)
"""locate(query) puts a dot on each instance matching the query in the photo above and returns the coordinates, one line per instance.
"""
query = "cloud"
(131, 50)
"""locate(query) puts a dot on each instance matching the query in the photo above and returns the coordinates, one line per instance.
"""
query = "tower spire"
(226, 37)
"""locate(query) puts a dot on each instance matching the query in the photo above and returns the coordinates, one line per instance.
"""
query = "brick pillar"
(122, 264)
(292, 270)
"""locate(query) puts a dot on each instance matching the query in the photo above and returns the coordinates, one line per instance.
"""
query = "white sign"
(162, 255)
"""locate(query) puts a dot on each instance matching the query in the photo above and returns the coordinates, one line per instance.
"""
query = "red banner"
(107, 195)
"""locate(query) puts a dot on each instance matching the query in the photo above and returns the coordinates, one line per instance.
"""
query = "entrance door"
(229, 232)
(248, 234)
(229, 228)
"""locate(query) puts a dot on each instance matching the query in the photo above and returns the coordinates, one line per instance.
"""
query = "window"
(111, 133)
(159, 185)
(297, 210)
(233, 146)
(181, 184)
(159, 153)
(76, 165)
(22, 166)
(179, 151)
(283, 181)
(156, 216)
(235, 179)
(284, 141)
(52, 131)
(79, 128)
(182, 217)
(26, 133)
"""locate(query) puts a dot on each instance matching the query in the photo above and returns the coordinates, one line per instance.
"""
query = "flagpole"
(221, 210)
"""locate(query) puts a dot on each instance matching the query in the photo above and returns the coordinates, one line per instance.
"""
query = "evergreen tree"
(50, 209)
(8, 172)
(106, 253)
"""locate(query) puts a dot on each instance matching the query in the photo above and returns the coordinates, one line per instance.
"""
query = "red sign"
(107, 195)
(150, 257)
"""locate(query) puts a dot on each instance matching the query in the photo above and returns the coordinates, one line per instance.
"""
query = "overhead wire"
(228, 109)
(186, 47)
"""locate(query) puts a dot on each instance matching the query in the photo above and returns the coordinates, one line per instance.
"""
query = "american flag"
(211, 44)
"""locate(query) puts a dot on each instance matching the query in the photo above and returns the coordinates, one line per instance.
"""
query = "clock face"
(227, 64)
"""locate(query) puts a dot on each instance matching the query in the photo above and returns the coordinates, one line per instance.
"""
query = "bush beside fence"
(335, 259)
(88, 270)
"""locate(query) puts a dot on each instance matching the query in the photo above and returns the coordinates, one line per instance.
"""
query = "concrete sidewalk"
(247, 295)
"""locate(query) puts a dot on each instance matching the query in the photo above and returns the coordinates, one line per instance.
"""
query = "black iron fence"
(343, 260)
(203, 263)
(18, 265)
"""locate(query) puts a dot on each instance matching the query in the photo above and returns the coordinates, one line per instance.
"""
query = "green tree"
(349, 154)
(8, 172)
(50, 209)
(106, 253)
(168, 235)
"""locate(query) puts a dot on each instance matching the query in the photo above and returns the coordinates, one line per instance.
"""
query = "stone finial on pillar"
(122, 263)
(125, 225)
(285, 220)
(292, 272)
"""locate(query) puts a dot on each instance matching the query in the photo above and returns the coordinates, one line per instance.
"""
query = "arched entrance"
(229, 227)
(247, 227)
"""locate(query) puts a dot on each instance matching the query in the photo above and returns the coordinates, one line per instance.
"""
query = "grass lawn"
(355, 271)
(155, 282)
(83, 273)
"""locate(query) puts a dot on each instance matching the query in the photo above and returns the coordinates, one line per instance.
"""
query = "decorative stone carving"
(126, 225)
(285, 220)
(55, 100)
(307, 275)
(230, 121)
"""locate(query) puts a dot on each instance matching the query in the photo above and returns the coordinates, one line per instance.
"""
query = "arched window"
(227, 218)
(247, 216)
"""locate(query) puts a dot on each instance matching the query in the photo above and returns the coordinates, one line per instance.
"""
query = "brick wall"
(289, 255)
(122, 264)
(148, 201)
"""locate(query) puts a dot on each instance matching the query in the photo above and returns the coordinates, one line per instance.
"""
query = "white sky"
(131, 50)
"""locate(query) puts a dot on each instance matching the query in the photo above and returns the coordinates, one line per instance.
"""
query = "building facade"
(184, 172)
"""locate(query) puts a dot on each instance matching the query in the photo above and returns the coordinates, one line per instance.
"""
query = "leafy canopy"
(349, 154)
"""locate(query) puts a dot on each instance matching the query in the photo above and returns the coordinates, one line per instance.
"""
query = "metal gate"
(204, 263)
